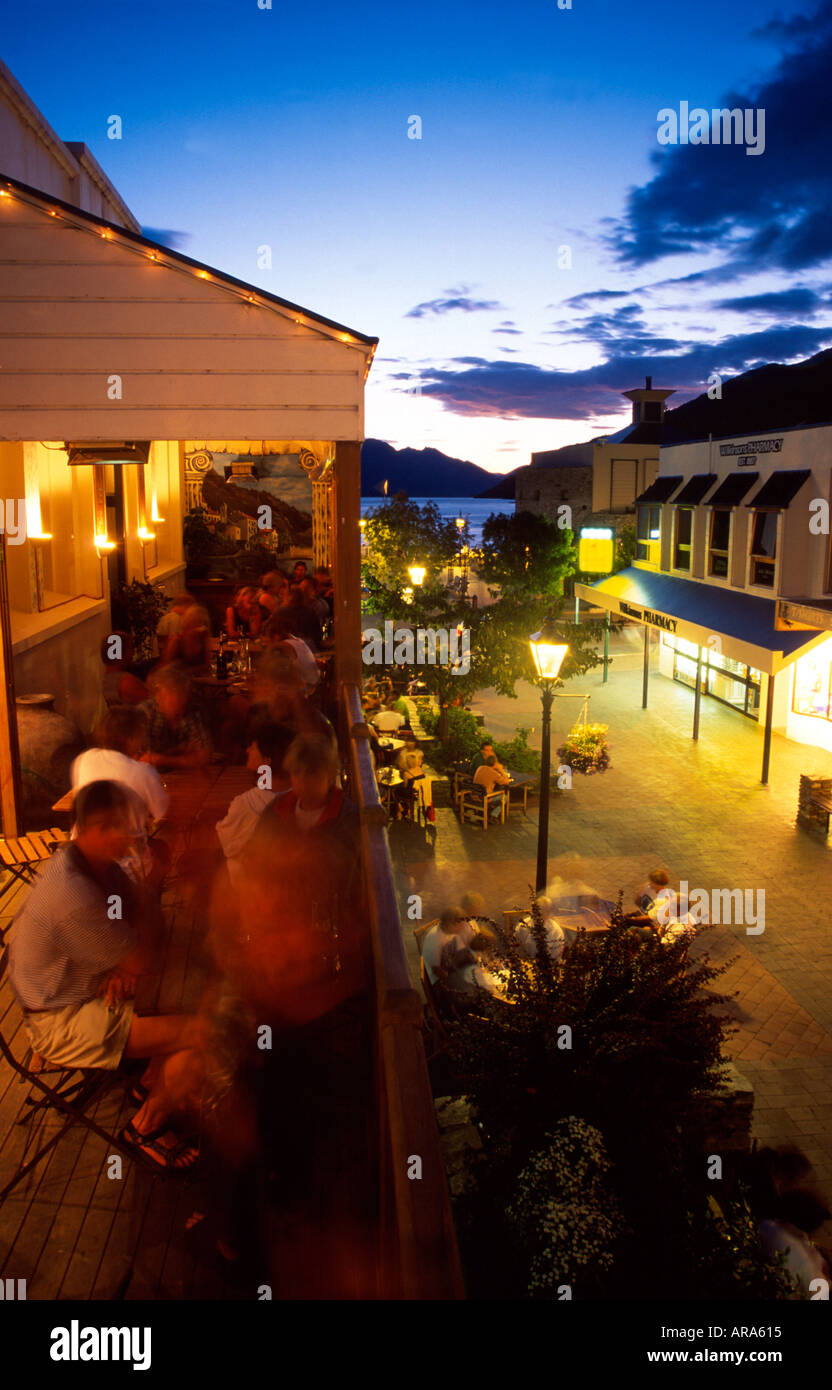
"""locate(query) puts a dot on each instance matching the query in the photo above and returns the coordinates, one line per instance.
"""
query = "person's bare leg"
(161, 1034)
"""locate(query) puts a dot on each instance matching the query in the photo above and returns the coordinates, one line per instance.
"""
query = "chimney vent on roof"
(649, 383)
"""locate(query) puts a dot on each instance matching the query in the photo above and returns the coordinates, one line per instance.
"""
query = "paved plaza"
(700, 810)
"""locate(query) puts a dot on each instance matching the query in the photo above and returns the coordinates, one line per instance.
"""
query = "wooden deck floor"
(73, 1232)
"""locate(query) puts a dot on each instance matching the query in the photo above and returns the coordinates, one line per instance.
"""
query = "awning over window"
(780, 490)
(745, 623)
(695, 489)
(660, 490)
(732, 489)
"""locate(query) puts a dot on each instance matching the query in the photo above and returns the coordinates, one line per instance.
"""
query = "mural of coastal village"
(224, 535)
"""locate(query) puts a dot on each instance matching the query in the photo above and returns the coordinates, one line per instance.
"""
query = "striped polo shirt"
(68, 936)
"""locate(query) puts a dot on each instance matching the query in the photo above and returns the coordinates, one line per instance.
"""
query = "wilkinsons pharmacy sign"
(646, 615)
(746, 454)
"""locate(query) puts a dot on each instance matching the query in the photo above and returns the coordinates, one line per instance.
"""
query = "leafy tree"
(624, 1033)
(526, 555)
(402, 533)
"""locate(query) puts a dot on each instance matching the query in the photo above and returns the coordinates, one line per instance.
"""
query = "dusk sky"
(288, 128)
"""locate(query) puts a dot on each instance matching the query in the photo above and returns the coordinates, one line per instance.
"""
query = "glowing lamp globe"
(547, 653)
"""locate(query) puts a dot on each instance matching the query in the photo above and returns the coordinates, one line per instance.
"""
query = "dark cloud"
(512, 332)
(476, 387)
(583, 301)
(779, 303)
(766, 211)
(165, 236)
(453, 299)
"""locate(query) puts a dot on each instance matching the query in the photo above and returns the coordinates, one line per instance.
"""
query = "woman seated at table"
(554, 934)
(176, 734)
(244, 617)
(273, 591)
(411, 765)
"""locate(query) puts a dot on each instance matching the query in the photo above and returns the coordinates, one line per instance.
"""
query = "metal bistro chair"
(75, 1092)
(20, 856)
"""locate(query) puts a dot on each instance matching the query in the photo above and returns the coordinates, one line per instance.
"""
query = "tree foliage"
(401, 533)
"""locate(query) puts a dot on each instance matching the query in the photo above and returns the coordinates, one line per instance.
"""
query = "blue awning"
(695, 611)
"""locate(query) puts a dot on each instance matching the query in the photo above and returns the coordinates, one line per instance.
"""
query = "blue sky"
(288, 127)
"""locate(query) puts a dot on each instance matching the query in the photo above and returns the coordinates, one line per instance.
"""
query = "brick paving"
(700, 810)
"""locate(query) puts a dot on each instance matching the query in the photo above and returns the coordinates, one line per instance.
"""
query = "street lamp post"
(548, 655)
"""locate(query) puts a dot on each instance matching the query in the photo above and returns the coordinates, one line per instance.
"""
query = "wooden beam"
(11, 796)
(346, 545)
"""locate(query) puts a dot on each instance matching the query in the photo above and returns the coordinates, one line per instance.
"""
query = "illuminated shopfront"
(812, 693)
(731, 682)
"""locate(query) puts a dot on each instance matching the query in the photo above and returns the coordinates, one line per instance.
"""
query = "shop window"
(720, 539)
(812, 689)
(648, 534)
(682, 532)
(764, 549)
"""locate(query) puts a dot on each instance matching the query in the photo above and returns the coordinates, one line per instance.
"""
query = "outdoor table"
(520, 781)
(388, 778)
(390, 747)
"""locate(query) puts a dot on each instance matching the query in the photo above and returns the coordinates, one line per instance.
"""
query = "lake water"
(476, 509)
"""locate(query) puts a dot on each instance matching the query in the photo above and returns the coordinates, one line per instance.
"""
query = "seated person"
(303, 620)
(668, 918)
(389, 720)
(121, 684)
(555, 935)
(655, 888)
(491, 776)
(176, 734)
(73, 966)
(486, 751)
(278, 631)
(122, 741)
(411, 764)
(171, 621)
(274, 588)
(450, 961)
(313, 600)
(323, 583)
(191, 644)
(244, 617)
(267, 751)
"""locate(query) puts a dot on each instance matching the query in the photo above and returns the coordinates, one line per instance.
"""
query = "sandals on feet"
(176, 1158)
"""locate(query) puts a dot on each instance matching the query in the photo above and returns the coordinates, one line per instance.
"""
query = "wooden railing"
(418, 1256)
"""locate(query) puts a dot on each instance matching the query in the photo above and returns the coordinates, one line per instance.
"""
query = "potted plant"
(586, 749)
(141, 606)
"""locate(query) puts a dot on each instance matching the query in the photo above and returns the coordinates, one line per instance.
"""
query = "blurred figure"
(190, 646)
(323, 582)
(313, 600)
(176, 734)
(121, 684)
(274, 590)
(266, 753)
(554, 934)
(122, 737)
(279, 631)
(171, 621)
(300, 571)
(73, 968)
